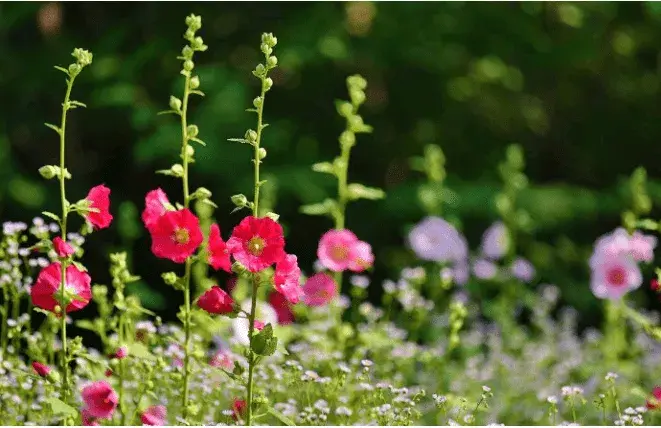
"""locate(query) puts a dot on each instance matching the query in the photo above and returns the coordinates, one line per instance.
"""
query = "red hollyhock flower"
(257, 243)
(219, 257)
(654, 285)
(48, 284)
(655, 402)
(216, 301)
(287, 278)
(176, 235)
(239, 408)
(154, 416)
(99, 197)
(41, 369)
(282, 308)
(100, 399)
(156, 203)
(62, 248)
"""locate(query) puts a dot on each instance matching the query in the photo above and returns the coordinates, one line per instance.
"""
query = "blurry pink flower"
(363, 257)
(100, 399)
(121, 352)
(156, 202)
(337, 249)
(41, 369)
(642, 247)
(87, 419)
(654, 402)
(287, 277)
(154, 415)
(219, 256)
(62, 248)
(282, 308)
(259, 325)
(319, 290)
(222, 359)
(612, 277)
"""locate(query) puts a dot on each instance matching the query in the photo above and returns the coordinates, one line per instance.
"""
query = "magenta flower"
(363, 257)
(613, 277)
(337, 249)
(154, 415)
(495, 241)
(319, 290)
(642, 247)
(100, 399)
(287, 277)
(435, 239)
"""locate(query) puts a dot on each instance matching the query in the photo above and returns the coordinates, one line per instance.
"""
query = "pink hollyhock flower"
(612, 277)
(257, 243)
(222, 359)
(259, 325)
(495, 241)
(156, 204)
(62, 248)
(337, 249)
(216, 301)
(642, 247)
(238, 408)
(154, 415)
(88, 419)
(41, 369)
(99, 197)
(363, 257)
(655, 402)
(614, 244)
(286, 278)
(48, 284)
(100, 399)
(176, 235)
(319, 290)
(121, 352)
(219, 257)
(282, 308)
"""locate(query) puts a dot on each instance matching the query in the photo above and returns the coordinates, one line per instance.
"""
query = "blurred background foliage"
(575, 84)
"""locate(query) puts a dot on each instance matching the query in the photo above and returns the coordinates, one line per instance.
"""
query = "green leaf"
(322, 208)
(86, 325)
(53, 127)
(139, 350)
(77, 104)
(62, 69)
(262, 341)
(325, 167)
(51, 215)
(197, 92)
(59, 407)
(167, 112)
(239, 140)
(358, 191)
(198, 141)
(279, 416)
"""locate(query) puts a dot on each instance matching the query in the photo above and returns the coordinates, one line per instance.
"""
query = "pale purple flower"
(460, 273)
(435, 239)
(642, 247)
(522, 269)
(484, 269)
(613, 244)
(612, 277)
(495, 241)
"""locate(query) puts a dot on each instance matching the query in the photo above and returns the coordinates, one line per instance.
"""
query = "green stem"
(122, 408)
(5, 315)
(63, 229)
(251, 360)
(15, 313)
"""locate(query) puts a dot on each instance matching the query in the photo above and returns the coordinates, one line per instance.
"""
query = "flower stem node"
(257, 102)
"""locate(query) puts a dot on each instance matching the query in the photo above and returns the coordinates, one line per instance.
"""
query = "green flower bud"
(49, 171)
(347, 138)
(273, 216)
(83, 57)
(195, 82)
(189, 35)
(262, 153)
(175, 103)
(169, 278)
(187, 52)
(74, 69)
(272, 61)
(268, 83)
(194, 22)
(189, 65)
(260, 70)
(266, 49)
(177, 170)
(240, 200)
(251, 136)
(238, 268)
(269, 39)
(357, 96)
(190, 151)
(192, 131)
(198, 44)
(356, 82)
(345, 109)
(201, 193)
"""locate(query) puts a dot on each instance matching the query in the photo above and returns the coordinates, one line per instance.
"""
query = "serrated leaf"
(279, 416)
(59, 407)
(139, 350)
(51, 215)
(53, 127)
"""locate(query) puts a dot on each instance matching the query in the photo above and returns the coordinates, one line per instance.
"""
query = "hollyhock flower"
(495, 241)
(121, 352)
(337, 249)
(655, 401)
(642, 247)
(100, 399)
(62, 248)
(286, 278)
(219, 257)
(484, 269)
(612, 277)
(176, 235)
(48, 285)
(238, 408)
(88, 419)
(257, 243)
(41, 369)
(259, 325)
(435, 239)
(654, 285)
(363, 257)
(154, 415)
(241, 327)
(99, 197)
(319, 290)
(282, 308)
(216, 301)
(222, 359)
(522, 269)
(612, 244)
(156, 204)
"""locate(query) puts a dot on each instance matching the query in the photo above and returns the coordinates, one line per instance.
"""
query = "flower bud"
(74, 69)
(41, 369)
(266, 49)
(262, 153)
(238, 268)
(257, 102)
(268, 83)
(240, 200)
(356, 82)
(357, 96)
(198, 43)
(121, 352)
(216, 301)
(195, 82)
(189, 65)
(187, 52)
(272, 216)
(49, 171)
(175, 103)
(190, 151)
(260, 70)
(251, 136)
(192, 131)
(347, 138)
(177, 170)
(169, 278)
(201, 193)
(83, 57)
(269, 39)
(272, 61)
(189, 35)
(345, 109)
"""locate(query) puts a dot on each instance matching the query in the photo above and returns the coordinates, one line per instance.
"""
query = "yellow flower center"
(340, 252)
(256, 246)
(181, 236)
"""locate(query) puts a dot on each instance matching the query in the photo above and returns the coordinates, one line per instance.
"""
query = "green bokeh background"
(576, 84)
